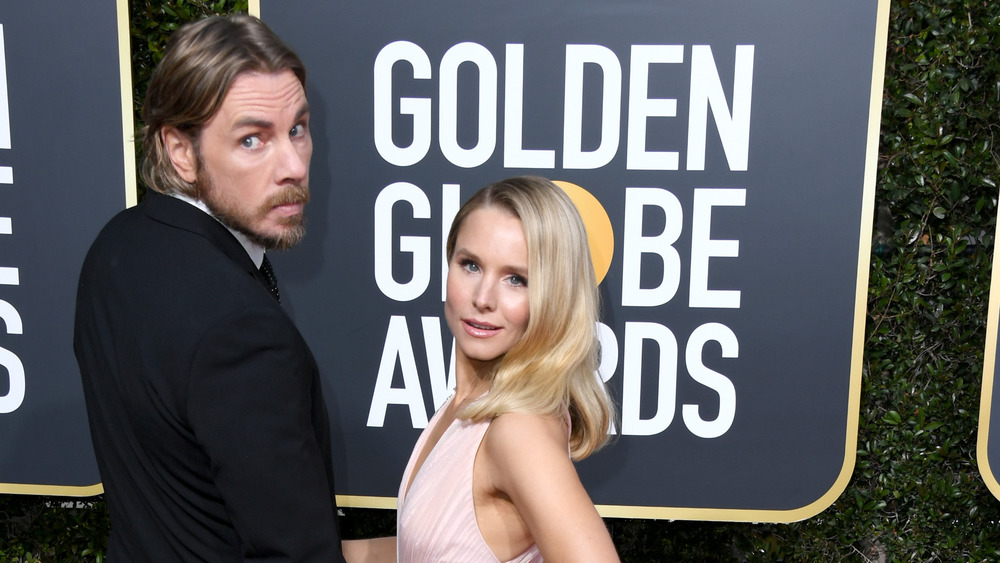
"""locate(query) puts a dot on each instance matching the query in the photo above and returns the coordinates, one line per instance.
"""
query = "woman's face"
(487, 301)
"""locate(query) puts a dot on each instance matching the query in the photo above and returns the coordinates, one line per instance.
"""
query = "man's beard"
(236, 215)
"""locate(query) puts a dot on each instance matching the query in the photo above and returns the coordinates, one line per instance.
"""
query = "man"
(204, 400)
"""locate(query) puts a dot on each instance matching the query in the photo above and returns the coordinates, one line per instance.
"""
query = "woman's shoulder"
(526, 456)
(526, 434)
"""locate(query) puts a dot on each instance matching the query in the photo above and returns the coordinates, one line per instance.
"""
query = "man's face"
(253, 159)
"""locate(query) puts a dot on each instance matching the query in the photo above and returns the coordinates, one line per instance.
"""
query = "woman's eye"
(519, 281)
(470, 266)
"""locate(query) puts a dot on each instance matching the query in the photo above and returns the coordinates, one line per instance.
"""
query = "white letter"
(15, 369)
(514, 156)
(635, 245)
(11, 318)
(609, 359)
(704, 247)
(419, 108)
(15, 372)
(706, 88)
(4, 107)
(420, 247)
(711, 379)
(640, 107)
(573, 155)
(442, 384)
(609, 352)
(487, 139)
(451, 200)
(632, 424)
(9, 276)
(397, 345)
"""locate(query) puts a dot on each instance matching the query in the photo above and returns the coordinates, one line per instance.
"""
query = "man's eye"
(251, 142)
(298, 131)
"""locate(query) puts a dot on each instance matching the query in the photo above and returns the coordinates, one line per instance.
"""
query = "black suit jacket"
(204, 400)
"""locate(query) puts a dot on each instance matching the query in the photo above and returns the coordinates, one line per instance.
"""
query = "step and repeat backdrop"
(723, 154)
(65, 115)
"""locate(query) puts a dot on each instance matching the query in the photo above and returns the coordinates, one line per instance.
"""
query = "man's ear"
(181, 151)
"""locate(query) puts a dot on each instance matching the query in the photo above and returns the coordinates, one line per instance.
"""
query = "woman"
(491, 478)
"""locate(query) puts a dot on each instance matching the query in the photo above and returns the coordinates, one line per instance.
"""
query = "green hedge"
(916, 493)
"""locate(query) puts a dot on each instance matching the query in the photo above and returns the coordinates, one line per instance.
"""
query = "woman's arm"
(526, 457)
(375, 550)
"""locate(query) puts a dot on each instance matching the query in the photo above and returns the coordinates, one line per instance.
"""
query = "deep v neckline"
(436, 420)
(427, 448)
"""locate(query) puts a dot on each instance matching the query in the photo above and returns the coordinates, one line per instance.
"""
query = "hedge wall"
(916, 494)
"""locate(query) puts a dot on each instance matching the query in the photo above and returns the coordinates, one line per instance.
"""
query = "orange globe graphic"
(600, 235)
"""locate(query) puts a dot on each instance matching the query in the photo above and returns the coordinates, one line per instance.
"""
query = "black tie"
(272, 282)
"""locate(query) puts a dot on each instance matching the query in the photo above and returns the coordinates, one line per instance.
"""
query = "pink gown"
(436, 519)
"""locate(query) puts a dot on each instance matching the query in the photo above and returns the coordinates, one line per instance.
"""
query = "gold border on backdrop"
(857, 349)
(51, 490)
(131, 198)
(128, 123)
(352, 501)
(989, 370)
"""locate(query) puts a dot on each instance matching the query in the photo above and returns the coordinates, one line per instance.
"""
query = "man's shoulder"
(140, 253)
(164, 228)
(126, 227)
(158, 210)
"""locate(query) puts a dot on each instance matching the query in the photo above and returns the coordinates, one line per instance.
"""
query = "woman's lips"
(479, 329)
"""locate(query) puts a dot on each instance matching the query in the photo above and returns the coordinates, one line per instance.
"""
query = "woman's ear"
(181, 152)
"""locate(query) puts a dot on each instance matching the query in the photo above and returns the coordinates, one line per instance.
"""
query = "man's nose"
(293, 161)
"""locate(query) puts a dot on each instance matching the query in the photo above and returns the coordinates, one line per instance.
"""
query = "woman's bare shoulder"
(520, 430)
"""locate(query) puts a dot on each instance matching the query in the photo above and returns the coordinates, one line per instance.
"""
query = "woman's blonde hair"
(553, 367)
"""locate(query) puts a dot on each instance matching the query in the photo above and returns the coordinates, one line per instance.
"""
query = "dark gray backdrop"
(67, 161)
(800, 231)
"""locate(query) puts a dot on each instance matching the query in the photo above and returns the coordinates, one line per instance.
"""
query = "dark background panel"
(67, 159)
(799, 230)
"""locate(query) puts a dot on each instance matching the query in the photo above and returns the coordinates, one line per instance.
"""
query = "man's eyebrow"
(303, 111)
(265, 124)
(253, 122)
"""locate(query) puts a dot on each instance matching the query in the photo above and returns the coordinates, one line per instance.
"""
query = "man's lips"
(289, 209)
(290, 202)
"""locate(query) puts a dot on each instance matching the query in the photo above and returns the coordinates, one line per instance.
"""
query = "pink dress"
(436, 519)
